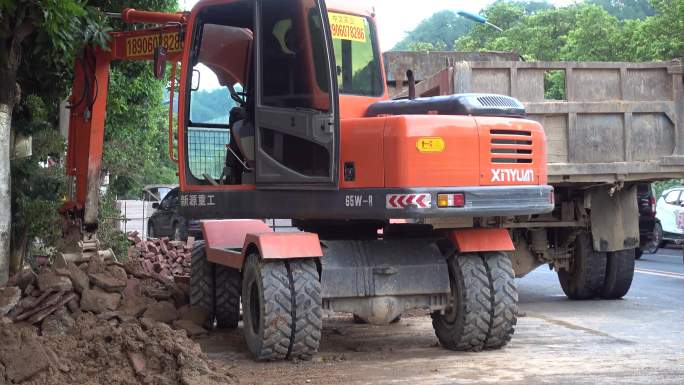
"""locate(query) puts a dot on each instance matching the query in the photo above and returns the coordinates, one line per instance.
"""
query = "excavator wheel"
(619, 274)
(588, 271)
(281, 302)
(202, 282)
(485, 303)
(228, 285)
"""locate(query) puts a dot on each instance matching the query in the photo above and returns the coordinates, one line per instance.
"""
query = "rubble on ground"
(162, 256)
(101, 321)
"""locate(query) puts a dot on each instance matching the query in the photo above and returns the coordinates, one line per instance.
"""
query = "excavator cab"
(258, 106)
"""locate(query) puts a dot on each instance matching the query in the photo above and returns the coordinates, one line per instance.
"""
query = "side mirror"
(160, 57)
(155, 206)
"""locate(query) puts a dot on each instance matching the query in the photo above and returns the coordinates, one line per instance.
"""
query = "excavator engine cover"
(459, 104)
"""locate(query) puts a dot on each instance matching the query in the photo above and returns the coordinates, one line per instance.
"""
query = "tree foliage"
(437, 33)
(440, 31)
(39, 40)
(583, 31)
(626, 9)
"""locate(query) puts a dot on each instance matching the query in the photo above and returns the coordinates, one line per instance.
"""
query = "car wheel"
(655, 244)
(150, 230)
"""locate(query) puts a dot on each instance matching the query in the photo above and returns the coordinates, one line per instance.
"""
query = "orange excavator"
(283, 112)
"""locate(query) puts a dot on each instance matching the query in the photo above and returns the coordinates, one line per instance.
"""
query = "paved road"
(637, 340)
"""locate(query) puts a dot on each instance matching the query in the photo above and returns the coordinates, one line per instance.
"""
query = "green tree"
(626, 9)
(52, 30)
(659, 37)
(595, 36)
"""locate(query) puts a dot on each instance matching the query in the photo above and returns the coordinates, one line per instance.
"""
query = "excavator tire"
(281, 304)
(228, 285)
(202, 282)
(586, 280)
(619, 274)
(504, 311)
(485, 303)
(308, 317)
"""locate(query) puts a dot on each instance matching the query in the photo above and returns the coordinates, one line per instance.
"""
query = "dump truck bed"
(616, 121)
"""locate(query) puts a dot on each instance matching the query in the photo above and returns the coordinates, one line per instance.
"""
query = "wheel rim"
(254, 307)
(657, 238)
(150, 231)
(176, 233)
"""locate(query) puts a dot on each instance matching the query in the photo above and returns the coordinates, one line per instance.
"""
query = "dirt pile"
(163, 256)
(100, 322)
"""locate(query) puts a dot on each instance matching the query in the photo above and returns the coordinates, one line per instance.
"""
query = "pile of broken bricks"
(162, 256)
(114, 292)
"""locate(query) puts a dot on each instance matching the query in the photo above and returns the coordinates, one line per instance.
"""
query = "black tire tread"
(504, 300)
(619, 274)
(588, 274)
(202, 282)
(472, 299)
(228, 284)
(307, 318)
(276, 310)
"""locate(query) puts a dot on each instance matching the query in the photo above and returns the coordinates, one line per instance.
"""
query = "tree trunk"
(18, 249)
(5, 200)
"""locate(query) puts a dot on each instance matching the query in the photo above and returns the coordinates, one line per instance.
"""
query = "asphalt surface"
(636, 340)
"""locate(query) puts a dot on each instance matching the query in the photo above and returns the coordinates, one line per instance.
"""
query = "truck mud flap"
(614, 219)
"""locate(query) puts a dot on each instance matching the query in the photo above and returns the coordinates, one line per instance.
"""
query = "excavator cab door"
(296, 114)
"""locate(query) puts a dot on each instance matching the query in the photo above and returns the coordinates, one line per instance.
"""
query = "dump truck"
(610, 126)
(304, 129)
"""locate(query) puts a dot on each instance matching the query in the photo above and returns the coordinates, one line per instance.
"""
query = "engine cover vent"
(458, 104)
(499, 101)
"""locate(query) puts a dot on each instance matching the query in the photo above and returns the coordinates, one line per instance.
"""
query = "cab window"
(356, 55)
(287, 77)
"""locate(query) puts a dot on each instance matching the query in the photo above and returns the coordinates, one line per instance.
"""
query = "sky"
(397, 17)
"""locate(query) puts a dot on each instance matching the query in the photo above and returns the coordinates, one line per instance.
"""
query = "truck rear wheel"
(484, 297)
(228, 285)
(281, 304)
(588, 271)
(619, 274)
(202, 282)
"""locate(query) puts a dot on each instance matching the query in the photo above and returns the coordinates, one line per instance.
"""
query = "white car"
(670, 212)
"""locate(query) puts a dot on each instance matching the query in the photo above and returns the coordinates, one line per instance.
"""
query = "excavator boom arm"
(88, 104)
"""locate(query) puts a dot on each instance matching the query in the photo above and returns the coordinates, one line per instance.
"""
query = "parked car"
(668, 210)
(156, 192)
(650, 228)
(167, 221)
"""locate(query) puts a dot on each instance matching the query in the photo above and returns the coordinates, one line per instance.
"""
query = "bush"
(108, 232)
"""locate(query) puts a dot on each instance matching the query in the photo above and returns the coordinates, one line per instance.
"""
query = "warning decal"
(347, 27)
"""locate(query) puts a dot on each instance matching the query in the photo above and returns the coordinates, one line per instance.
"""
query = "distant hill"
(440, 31)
